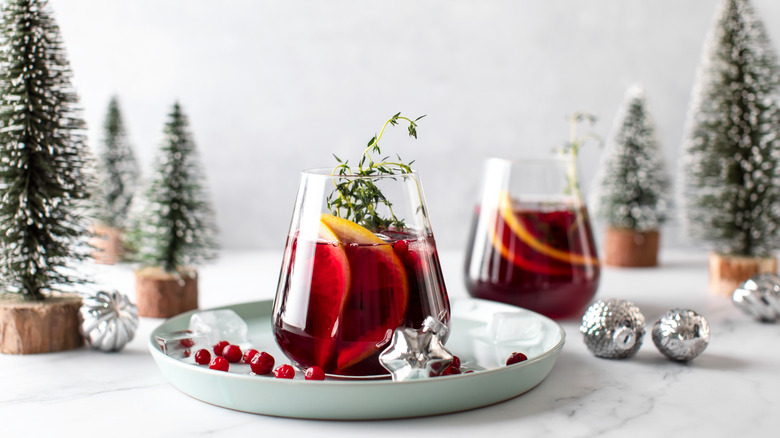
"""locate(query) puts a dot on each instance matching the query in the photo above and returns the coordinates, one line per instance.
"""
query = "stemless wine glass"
(356, 267)
(531, 242)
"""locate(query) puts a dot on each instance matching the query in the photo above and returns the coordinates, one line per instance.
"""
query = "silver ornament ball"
(681, 334)
(759, 297)
(613, 329)
(108, 320)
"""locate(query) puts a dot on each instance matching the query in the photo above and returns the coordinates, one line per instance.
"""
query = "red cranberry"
(516, 358)
(454, 367)
(314, 373)
(401, 247)
(219, 363)
(202, 357)
(232, 353)
(219, 346)
(412, 259)
(262, 363)
(249, 354)
(186, 353)
(284, 372)
(186, 342)
(450, 371)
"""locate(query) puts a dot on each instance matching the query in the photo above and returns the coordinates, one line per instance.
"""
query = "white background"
(274, 87)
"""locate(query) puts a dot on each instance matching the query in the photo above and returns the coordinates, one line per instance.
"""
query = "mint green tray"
(362, 399)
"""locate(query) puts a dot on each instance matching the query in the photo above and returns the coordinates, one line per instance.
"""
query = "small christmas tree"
(118, 170)
(42, 155)
(175, 230)
(44, 181)
(632, 186)
(118, 176)
(730, 168)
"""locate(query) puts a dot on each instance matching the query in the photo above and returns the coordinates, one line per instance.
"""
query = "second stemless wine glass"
(356, 267)
(531, 242)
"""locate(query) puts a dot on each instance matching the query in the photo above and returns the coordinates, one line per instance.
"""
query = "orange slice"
(346, 231)
(517, 227)
(518, 260)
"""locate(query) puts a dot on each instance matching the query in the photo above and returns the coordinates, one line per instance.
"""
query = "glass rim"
(327, 172)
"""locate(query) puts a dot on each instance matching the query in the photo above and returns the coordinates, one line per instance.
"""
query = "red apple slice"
(379, 292)
(330, 284)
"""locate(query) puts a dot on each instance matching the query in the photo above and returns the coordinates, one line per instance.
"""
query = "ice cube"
(220, 325)
(514, 328)
(181, 344)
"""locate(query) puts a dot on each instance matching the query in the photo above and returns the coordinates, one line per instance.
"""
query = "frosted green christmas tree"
(632, 185)
(43, 162)
(117, 170)
(175, 228)
(730, 168)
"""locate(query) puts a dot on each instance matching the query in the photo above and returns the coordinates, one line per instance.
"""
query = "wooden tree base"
(629, 248)
(108, 244)
(728, 272)
(160, 294)
(29, 327)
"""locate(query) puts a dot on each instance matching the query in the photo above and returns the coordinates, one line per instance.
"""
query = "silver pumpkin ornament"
(681, 334)
(108, 320)
(613, 329)
(759, 297)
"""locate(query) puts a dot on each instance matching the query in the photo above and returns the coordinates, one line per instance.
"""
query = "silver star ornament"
(417, 354)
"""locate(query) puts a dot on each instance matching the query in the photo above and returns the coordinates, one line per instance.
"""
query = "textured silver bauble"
(613, 329)
(759, 297)
(108, 320)
(681, 334)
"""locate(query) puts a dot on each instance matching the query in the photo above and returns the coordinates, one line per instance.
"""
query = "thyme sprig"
(572, 148)
(358, 199)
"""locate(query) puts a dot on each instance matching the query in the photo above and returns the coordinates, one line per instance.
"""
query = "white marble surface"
(732, 389)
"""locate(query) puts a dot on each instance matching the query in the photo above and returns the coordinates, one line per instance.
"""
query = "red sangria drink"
(540, 257)
(359, 287)
(360, 262)
(535, 252)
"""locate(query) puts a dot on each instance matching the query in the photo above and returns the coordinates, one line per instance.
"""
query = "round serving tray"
(360, 399)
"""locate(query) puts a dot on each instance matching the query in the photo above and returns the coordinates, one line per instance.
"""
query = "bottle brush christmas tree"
(44, 180)
(118, 177)
(632, 186)
(175, 228)
(730, 168)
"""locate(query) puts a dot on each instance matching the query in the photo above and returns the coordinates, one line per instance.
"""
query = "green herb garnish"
(571, 149)
(358, 199)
